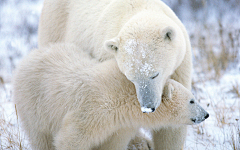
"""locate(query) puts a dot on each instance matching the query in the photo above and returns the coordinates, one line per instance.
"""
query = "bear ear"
(168, 90)
(112, 45)
(168, 33)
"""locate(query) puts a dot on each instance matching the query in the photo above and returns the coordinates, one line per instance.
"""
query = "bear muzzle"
(149, 94)
(198, 120)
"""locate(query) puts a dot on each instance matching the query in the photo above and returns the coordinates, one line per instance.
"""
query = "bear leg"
(119, 140)
(170, 138)
(41, 141)
(141, 142)
(80, 130)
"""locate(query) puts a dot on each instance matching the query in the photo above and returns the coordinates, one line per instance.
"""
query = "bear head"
(179, 105)
(148, 49)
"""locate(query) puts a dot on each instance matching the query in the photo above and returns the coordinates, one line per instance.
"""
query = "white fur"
(67, 100)
(158, 40)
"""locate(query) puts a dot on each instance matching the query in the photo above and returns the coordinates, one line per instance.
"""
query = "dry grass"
(235, 90)
(8, 139)
(222, 130)
(235, 136)
(10, 134)
(235, 131)
(216, 51)
(213, 56)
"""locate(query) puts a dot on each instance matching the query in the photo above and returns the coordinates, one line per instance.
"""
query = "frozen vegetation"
(214, 29)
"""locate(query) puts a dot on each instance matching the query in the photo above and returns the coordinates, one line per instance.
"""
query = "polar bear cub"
(67, 100)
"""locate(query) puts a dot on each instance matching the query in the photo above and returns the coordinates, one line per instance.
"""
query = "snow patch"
(138, 58)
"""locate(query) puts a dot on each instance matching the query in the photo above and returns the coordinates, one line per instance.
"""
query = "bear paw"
(142, 141)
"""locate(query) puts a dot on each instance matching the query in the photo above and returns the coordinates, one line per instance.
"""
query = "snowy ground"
(214, 28)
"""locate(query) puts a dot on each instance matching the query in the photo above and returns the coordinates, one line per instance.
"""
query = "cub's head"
(179, 105)
(148, 49)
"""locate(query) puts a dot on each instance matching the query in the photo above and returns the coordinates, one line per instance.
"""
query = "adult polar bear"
(147, 39)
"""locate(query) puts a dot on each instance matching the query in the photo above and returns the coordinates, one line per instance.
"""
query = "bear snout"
(198, 120)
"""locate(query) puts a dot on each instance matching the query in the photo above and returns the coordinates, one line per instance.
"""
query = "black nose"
(153, 109)
(206, 116)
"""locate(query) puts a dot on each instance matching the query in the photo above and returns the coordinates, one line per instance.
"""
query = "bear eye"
(191, 101)
(155, 76)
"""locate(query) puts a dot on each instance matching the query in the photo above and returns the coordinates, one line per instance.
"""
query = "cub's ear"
(168, 90)
(168, 33)
(112, 45)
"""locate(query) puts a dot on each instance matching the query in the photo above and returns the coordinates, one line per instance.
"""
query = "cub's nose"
(206, 116)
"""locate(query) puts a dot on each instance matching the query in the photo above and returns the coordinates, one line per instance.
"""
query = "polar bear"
(67, 100)
(147, 39)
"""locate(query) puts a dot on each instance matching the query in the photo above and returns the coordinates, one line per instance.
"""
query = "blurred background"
(214, 30)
